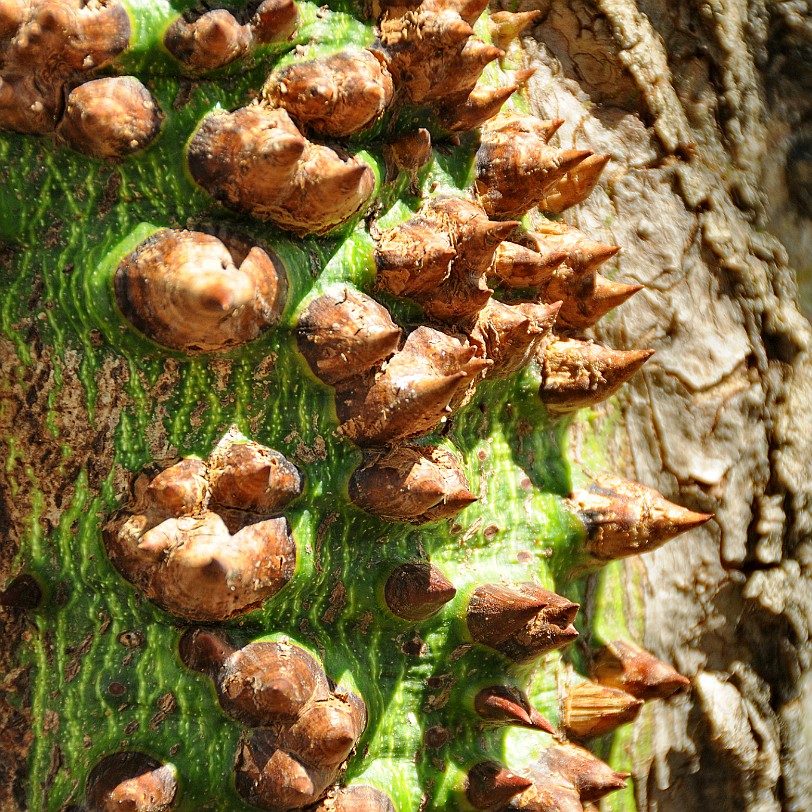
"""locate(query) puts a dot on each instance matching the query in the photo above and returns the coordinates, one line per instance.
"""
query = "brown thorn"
(625, 665)
(417, 591)
(502, 703)
(491, 786)
(579, 373)
(595, 710)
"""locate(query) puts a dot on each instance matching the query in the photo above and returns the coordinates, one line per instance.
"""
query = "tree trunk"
(705, 110)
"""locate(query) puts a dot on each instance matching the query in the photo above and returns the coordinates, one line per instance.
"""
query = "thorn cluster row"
(197, 538)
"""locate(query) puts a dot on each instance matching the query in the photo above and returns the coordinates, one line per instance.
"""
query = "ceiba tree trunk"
(703, 108)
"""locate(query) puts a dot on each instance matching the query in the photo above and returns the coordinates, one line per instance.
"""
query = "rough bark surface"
(703, 107)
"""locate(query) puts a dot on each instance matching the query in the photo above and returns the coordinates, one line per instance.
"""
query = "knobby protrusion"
(579, 373)
(522, 621)
(431, 53)
(336, 96)
(416, 591)
(48, 45)
(516, 266)
(592, 777)
(194, 562)
(491, 786)
(408, 152)
(516, 169)
(509, 335)
(245, 475)
(417, 389)
(261, 684)
(441, 258)
(110, 118)
(131, 782)
(469, 10)
(356, 798)
(589, 300)
(595, 710)
(344, 333)
(274, 21)
(255, 160)
(507, 705)
(577, 185)
(411, 483)
(189, 291)
(624, 518)
(473, 110)
(210, 41)
(291, 766)
(506, 26)
(625, 665)
(24, 592)
(584, 255)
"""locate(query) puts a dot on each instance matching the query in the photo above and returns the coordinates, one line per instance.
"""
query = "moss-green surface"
(68, 220)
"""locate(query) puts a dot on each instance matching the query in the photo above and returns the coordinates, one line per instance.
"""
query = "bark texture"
(705, 108)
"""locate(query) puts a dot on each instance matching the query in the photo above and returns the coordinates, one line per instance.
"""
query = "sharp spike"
(491, 786)
(495, 613)
(577, 185)
(335, 96)
(481, 104)
(410, 151)
(413, 258)
(344, 333)
(249, 476)
(417, 591)
(597, 297)
(507, 705)
(267, 682)
(180, 490)
(204, 651)
(213, 40)
(516, 266)
(584, 255)
(326, 731)
(592, 777)
(505, 26)
(579, 373)
(356, 798)
(626, 518)
(516, 169)
(595, 710)
(469, 10)
(628, 667)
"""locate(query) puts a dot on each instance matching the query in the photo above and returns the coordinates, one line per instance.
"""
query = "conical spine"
(507, 705)
(592, 300)
(624, 518)
(491, 786)
(579, 373)
(336, 96)
(416, 591)
(522, 621)
(344, 334)
(577, 185)
(625, 665)
(594, 710)
(411, 483)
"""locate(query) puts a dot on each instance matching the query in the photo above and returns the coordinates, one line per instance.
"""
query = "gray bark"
(705, 107)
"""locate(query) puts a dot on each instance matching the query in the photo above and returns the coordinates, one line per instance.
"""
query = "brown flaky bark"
(705, 108)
